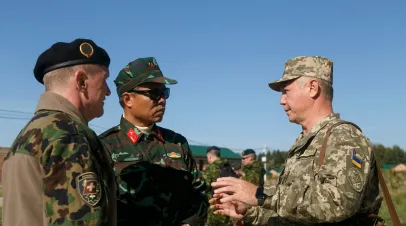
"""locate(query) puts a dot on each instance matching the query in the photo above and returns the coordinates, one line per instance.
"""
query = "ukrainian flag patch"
(356, 161)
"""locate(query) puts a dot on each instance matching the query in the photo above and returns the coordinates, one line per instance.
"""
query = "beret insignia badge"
(86, 49)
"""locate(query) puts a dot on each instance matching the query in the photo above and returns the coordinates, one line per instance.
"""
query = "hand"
(233, 209)
(233, 189)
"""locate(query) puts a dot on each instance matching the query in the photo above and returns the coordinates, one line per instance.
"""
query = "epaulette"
(172, 136)
(112, 130)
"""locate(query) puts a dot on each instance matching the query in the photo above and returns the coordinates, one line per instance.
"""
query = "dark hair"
(214, 150)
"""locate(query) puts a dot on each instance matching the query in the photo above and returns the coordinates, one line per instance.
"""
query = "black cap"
(247, 152)
(63, 54)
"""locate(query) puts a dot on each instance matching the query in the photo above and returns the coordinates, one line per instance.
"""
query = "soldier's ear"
(81, 80)
(314, 88)
(127, 99)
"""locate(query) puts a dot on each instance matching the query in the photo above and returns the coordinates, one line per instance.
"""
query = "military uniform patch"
(355, 160)
(355, 178)
(89, 188)
(174, 155)
(133, 136)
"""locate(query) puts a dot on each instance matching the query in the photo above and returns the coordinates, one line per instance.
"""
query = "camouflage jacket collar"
(220, 161)
(302, 140)
(54, 102)
(252, 165)
(135, 135)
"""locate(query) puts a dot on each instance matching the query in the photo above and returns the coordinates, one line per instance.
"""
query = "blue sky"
(223, 54)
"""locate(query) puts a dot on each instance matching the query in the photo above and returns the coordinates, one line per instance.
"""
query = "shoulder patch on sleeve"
(89, 188)
(355, 179)
(355, 159)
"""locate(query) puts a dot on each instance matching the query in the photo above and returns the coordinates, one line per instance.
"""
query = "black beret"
(64, 54)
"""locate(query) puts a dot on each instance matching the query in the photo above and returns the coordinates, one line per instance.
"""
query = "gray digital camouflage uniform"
(345, 187)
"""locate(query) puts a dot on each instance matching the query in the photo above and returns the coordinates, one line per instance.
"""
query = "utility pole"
(264, 160)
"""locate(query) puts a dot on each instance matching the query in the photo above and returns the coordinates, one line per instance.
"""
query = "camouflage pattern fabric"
(159, 183)
(140, 71)
(75, 166)
(210, 174)
(343, 190)
(309, 66)
(254, 173)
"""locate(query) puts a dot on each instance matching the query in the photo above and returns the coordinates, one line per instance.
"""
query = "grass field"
(399, 200)
(396, 183)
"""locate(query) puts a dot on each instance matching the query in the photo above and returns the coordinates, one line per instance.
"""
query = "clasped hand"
(232, 197)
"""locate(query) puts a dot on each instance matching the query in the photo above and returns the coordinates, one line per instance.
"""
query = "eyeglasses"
(154, 94)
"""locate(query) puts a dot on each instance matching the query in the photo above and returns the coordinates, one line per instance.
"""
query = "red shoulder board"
(133, 136)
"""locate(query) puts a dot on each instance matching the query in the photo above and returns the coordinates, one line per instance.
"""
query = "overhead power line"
(14, 118)
(13, 111)
(30, 113)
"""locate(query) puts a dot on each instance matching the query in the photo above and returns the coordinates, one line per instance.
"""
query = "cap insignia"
(86, 49)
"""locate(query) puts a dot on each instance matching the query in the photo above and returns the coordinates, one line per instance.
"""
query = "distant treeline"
(384, 155)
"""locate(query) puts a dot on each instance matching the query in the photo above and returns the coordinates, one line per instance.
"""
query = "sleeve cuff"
(270, 190)
(258, 216)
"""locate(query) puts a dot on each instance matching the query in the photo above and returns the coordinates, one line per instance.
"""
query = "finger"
(222, 212)
(218, 195)
(219, 184)
(230, 198)
(228, 179)
(227, 190)
(214, 200)
(215, 206)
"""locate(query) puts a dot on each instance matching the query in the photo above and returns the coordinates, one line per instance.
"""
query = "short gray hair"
(326, 88)
(59, 77)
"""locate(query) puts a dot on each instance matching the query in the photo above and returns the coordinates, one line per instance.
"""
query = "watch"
(260, 196)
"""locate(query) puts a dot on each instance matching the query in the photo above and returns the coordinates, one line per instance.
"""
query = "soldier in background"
(252, 170)
(215, 165)
(56, 171)
(159, 183)
(237, 169)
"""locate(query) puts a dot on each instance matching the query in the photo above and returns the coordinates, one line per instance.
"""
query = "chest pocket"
(303, 160)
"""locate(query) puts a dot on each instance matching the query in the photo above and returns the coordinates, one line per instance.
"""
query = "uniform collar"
(135, 135)
(55, 102)
(303, 139)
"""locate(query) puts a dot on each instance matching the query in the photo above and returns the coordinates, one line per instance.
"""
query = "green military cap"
(247, 152)
(309, 66)
(139, 71)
